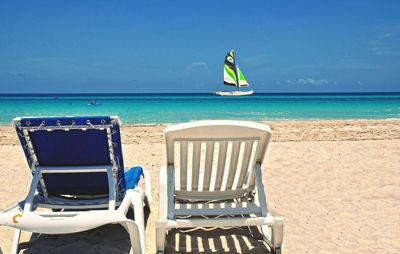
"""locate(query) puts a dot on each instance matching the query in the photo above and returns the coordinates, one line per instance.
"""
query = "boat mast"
(237, 74)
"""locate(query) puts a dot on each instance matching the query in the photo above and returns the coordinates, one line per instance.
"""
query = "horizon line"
(187, 93)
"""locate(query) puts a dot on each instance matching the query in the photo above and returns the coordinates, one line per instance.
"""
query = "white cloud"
(387, 35)
(197, 66)
(382, 51)
(383, 44)
(308, 81)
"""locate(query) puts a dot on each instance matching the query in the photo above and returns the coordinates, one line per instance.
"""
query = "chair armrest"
(60, 222)
(262, 199)
(166, 200)
(147, 187)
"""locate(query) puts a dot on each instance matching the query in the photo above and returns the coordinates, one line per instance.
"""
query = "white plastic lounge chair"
(213, 178)
(78, 174)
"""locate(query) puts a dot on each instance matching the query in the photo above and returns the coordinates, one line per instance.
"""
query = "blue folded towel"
(132, 177)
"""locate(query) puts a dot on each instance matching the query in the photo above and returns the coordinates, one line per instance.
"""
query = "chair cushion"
(132, 177)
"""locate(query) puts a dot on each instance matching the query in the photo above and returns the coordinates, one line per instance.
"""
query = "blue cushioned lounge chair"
(78, 174)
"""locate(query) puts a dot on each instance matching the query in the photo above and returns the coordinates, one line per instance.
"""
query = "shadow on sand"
(105, 239)
(232, 240)
(114, 239)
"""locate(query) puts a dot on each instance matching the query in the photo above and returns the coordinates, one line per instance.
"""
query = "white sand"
(337, 183)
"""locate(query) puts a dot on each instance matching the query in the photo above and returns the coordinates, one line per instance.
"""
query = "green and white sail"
(230, 69)
(233, 76)
(242, 80)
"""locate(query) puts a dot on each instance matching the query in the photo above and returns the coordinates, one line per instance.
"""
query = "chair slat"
(184, 163)
(245, 162)
(210, 195)
(196, 165)
(233, 164)
(251, 178)
(227, 208)
(223, 146)
(208, 165)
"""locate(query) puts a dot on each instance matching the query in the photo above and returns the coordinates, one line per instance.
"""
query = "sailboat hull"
(234, 93)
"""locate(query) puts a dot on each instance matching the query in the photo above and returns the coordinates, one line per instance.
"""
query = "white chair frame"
(243, 194)
(22, 216)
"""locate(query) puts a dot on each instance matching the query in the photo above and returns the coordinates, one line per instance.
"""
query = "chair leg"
(137, 247)
(161, 234)
(277, 236)
(273, 235)
(137, 203)
(15, 241)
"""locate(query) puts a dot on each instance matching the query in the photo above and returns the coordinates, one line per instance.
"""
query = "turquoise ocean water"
(172, 108)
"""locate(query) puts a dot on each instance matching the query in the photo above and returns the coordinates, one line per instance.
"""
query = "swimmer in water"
(93, 102)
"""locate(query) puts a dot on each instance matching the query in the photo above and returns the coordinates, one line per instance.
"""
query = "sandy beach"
(336, 182)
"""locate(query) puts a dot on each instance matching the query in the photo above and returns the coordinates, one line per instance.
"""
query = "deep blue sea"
(172, 108)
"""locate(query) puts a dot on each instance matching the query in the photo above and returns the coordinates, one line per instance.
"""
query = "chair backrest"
(70, 142)
(215, 155)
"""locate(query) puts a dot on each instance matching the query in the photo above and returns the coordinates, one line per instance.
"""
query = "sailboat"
(233, 76)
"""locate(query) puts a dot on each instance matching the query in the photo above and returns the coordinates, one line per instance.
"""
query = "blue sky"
(179, 46)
